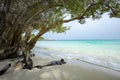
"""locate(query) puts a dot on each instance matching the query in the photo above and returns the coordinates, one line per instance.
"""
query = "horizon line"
(75, 39)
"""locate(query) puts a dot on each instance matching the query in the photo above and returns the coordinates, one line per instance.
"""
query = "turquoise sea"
(101, 52)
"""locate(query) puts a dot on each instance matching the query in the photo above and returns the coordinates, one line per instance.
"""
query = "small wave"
(93, 60)
(103, 62)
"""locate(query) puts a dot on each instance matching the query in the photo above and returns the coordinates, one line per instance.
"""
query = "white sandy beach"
(73, 70)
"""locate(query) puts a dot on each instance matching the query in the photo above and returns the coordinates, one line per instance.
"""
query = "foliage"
(18, 17)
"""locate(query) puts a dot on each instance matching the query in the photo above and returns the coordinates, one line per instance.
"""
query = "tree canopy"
(18, 18)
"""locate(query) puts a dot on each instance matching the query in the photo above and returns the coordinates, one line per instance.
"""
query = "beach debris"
(38, 66)
(4, 69)
(52, 63)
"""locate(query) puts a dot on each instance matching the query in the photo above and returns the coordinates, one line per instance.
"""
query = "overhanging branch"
(79, 17)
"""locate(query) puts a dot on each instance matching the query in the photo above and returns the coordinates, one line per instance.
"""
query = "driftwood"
(52, 63)
(29, 65)
(4, 69)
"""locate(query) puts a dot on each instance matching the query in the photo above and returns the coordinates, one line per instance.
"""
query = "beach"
(59, 40)
(86, 60)
(72, 70)
(100, 52)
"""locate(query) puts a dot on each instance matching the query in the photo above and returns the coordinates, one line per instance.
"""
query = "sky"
(104, 28)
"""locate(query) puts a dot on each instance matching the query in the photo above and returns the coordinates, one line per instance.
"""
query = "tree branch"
(113, 11)
(79, 17)
(41, 32)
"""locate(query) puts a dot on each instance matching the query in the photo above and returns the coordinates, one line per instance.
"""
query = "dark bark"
(5, 6)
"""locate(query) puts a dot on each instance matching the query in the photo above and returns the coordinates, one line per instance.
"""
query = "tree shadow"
(49, 73)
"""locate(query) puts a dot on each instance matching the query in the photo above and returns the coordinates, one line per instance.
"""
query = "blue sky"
(104, 28)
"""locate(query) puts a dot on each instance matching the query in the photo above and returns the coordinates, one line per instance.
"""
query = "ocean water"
(100, 52)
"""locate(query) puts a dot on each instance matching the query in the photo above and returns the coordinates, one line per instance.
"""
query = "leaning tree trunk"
(43, 30)
(34, 40)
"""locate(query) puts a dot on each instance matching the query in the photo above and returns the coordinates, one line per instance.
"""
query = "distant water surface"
(102, 52)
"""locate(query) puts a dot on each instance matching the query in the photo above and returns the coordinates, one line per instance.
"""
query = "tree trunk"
(4, 9)
(34, 40)
(26, 55)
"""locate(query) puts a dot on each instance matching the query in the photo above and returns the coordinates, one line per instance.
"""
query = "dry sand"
(73, 70)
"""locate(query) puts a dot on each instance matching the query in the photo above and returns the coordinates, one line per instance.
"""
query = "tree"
(18, 18)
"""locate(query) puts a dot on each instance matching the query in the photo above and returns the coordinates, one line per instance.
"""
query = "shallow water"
(101, 52)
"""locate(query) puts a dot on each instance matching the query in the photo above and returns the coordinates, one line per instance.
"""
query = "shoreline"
(56, 54)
